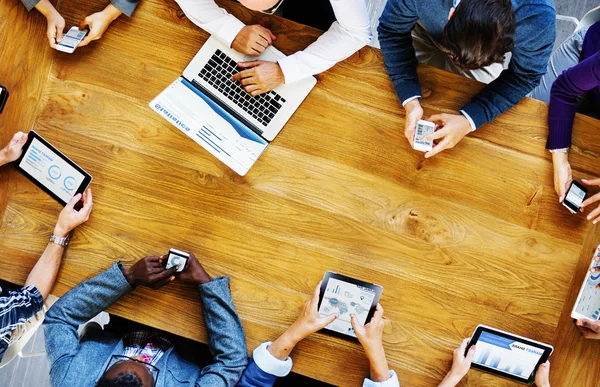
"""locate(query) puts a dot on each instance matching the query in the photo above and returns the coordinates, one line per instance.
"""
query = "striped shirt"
(16, 307)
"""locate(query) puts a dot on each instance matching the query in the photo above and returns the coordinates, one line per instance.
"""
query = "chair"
(21, 336)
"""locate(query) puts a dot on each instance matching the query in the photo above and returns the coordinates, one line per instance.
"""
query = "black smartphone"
(3, 97)
(575, 196)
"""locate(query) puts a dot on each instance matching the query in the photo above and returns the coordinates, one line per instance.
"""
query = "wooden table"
(473, 236)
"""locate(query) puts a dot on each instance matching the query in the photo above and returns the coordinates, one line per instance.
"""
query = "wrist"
(378, 365)
(112, 12)
(201, 277)
(453, 377)
(283, 346)
(410, 105)
(60, 231)
(560, 158)
(46, 8)
(129, 277)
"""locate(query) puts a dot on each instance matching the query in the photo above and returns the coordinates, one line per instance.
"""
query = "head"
(259, 5)
(479, 33)
(127, 373)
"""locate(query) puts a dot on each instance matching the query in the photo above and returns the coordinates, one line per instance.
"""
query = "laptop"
(217, 113)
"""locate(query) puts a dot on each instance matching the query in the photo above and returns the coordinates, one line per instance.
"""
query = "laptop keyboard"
(218, 72)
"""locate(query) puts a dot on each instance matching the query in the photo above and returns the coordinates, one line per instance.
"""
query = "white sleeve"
(391, 382)
(207, 15)
(349, 33)
(269, 363)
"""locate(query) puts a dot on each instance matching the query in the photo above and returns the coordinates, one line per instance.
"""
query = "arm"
(350, 33)
(43, 274)
(460, 365)
(534, 39)
(563, 99)
(395, 27)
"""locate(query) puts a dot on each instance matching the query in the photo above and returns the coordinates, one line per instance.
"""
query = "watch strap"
(61, 241)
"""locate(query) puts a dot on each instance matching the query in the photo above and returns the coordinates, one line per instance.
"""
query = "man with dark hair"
(468, 37)
(142, 358)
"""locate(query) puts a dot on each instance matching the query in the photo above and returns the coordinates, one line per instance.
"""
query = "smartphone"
(71, 40)
(3, 97)
(177, 258)
(424, 128)
(575, 196)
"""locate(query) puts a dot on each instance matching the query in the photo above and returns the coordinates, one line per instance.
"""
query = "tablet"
(507, 355)
(588, 301)
(51, 170)
(345, 295)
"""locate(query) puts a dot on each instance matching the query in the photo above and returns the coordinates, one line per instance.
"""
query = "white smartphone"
(71, 40)
(588, 301)
(423, 129)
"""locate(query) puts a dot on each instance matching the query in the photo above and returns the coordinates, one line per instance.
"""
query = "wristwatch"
(63, 242)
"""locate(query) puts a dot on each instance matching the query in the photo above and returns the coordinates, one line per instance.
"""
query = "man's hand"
(55, 22)
(562, 174)
(13, 149)
(150, 272)
(460, 364)
(370, 337)
(453, 127)
(253, 40)
(69, 217)
(98, 23)
(414, 112)
(308, 322)
(259, 77)
(194, 272)
(589, 329)
(542, 376)
(595, 214)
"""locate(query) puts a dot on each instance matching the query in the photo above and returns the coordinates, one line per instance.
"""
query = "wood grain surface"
(473, 236)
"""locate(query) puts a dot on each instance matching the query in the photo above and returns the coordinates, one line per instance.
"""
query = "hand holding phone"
(71, 40)
(575, 197)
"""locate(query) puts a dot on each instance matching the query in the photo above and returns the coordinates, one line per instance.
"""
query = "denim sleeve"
(74, 308)
(534, 39)
(30, 4)
(226, 339)
(395, 27)
(125, 6)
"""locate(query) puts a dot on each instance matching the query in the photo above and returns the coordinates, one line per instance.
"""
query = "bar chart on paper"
(506, 355)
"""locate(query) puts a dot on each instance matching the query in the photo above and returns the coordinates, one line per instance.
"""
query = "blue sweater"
(534, 39)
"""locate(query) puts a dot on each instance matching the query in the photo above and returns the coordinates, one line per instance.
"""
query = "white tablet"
(588, 301)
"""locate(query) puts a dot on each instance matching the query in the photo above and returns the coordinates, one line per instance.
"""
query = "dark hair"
(479, 33)
(123, 379)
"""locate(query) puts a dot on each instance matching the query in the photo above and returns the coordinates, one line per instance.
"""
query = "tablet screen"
(49, 168)
(346, 298)
(506, 355)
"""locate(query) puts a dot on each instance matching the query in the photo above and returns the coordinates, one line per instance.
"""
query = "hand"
(453, 128)
(308, 322)
(542, 376)
(370, 337)
(595, 213)
(194, 272)
(259, 77)
(69, 217)
(55, 22)
(253, 40)
(460, 364)
(98, 23)
(414, 112)
(589, 329)
(150, 272)
(13, 149)
(562, 174)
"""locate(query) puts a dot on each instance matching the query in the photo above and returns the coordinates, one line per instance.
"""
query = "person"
(577, 88)
(461, 365)
(349, 31)
(20, 305)
(468, 37)
(97, 23)
(272, 360)
(142, 357)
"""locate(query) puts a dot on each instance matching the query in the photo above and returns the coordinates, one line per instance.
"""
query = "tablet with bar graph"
(508, 355)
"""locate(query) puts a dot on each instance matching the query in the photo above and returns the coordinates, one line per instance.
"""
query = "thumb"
(358, 329)
(84, 24)
(470, 354)
(329, 319)
(273, 37)
(59, 33)
(74, 200)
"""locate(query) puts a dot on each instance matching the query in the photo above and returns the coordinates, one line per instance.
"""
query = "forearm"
(284, 345)
(45, 7)
(118, 7)
(43, 274)
(379, 370)
(450, 380)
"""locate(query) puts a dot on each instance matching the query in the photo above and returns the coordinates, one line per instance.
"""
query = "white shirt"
(280, 368)
(347, 35)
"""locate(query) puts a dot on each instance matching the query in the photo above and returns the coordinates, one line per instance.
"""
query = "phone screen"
(72, 38)
(575, 195)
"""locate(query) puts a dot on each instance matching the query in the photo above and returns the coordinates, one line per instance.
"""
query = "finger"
(358, 329)
(258, 48)
(437, 149)
(437, 134)
(19, 137)
(594, 214)
(273, 37)
(329, 319)
(152, 259)
(51, 34)
(162, 282)
(87, 40)
(251, 88)
(256, 92)
(378, 315)
(243, 74)
(165, 274)
(438, 118)
(314, 300)
(248, 81)
(470, 354)
(463, 346)
(591, 200)
(74, 200)
(591, 181)
(264, 39)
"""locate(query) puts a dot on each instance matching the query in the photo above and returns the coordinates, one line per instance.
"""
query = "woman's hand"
(562, 174)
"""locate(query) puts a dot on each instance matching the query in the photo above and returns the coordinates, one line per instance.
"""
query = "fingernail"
(172, 278)
(176, 267)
